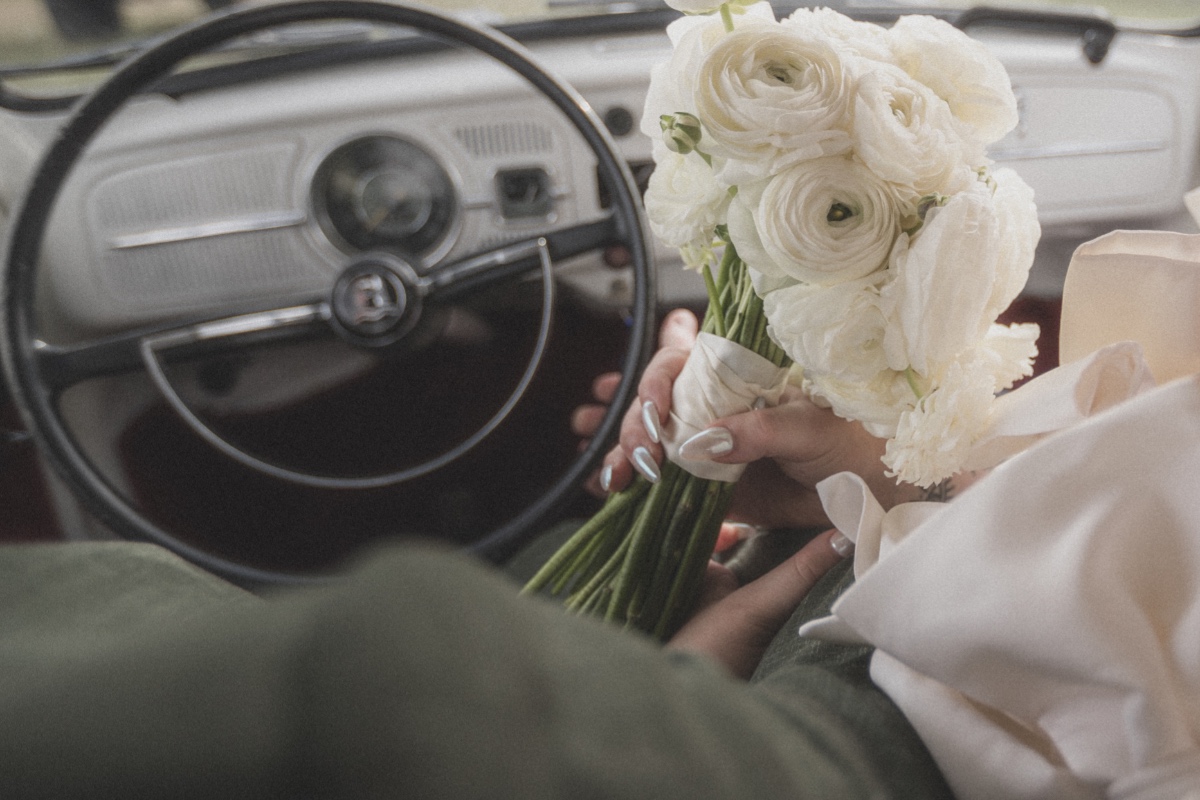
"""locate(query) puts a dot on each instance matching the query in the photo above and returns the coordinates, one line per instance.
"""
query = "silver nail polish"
(759, 403)
(606, 478)
(644, 463)
(841, 544)
(706, 444)
(650, 421)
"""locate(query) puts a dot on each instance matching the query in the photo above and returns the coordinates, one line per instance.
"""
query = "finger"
(796, 431)
(615, 471)
(679, 329)
(737, 630)
(604, 387)
(676, 337)
(643, 452)
(769, 601)
(659, 377)
(585, 420)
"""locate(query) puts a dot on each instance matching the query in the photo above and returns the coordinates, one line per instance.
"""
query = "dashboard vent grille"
(505, 139)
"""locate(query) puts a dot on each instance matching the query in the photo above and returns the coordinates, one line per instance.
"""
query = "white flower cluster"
(848, 164)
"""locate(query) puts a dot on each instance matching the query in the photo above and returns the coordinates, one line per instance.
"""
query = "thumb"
(679, 329)
(736, 630)
(812, 438)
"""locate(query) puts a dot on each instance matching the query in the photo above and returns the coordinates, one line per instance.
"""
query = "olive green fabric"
(127, 673)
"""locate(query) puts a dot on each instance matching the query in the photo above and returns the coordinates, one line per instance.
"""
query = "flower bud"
(930, 201)
(681, 131)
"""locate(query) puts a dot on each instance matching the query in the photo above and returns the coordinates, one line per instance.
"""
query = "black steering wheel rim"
(18, 346)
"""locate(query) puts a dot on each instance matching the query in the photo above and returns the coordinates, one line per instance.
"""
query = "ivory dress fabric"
(1042, 632)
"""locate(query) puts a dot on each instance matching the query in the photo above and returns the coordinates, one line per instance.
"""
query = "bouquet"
(829, 178)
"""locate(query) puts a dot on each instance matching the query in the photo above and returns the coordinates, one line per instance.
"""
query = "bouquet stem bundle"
(639, 561)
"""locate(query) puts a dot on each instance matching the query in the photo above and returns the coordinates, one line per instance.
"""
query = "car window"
(79, 32)
(33, 31)
(1130, 13)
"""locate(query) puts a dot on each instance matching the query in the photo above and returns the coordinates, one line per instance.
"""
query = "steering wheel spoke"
(63, 366)
(449, 281)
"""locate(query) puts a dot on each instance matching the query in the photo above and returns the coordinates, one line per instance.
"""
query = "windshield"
(36, 32)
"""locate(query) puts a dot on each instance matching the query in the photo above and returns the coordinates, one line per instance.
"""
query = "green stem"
(643, 537)
(615, 504)
(910, 375)
(679, 504)
(581, 569)
(714, 300)
(727, 17)
(680, 530)
(599, 582)
(717, 496)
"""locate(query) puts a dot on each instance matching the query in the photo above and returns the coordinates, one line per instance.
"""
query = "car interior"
(291, 279)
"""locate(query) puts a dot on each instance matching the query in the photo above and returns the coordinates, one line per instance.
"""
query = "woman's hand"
(676, 336)
(735, 625)
(789, 448)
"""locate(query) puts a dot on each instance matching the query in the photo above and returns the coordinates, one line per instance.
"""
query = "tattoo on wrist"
(939, 493)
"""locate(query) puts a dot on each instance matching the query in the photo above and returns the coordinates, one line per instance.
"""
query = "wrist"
(942, 492)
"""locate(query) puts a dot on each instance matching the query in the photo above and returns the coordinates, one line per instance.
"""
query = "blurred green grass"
(27, 35)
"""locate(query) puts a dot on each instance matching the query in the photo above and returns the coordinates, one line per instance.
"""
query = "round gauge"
(384, 193)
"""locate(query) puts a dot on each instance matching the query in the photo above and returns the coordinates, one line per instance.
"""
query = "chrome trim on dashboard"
(1070, 150)
(208, 230)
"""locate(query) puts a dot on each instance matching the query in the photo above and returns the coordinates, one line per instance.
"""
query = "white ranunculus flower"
(684, 204)
(960, 70)
(865, 39)
(1019, 234)
(933, 438)
(771, 96)
(834, 331)
(907, 135)
(673, 82)
(823, 222)
(765, 284)
(1008, 352)
(942, 281)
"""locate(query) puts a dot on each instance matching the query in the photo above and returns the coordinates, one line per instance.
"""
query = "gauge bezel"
(317, 200)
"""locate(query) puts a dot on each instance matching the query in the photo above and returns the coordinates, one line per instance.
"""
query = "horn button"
(376, 300)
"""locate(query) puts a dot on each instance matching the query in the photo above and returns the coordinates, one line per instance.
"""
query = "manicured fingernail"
(650, 421)
(606, 478)
(759, 402)
(644, 463)
(706, 444)
(841, 544)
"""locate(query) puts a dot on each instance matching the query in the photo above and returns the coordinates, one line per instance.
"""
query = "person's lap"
(420, 673)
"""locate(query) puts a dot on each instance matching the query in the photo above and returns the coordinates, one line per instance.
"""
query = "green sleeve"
(419, 674)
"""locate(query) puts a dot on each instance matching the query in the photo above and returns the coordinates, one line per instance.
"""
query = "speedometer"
(384, 193)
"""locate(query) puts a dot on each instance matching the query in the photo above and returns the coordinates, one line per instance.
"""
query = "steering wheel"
(376, 302)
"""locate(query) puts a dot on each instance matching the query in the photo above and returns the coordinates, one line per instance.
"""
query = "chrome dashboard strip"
(1069, 150)
(263, 222)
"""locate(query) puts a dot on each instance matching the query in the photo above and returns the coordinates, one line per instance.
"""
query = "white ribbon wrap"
(720, 378)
